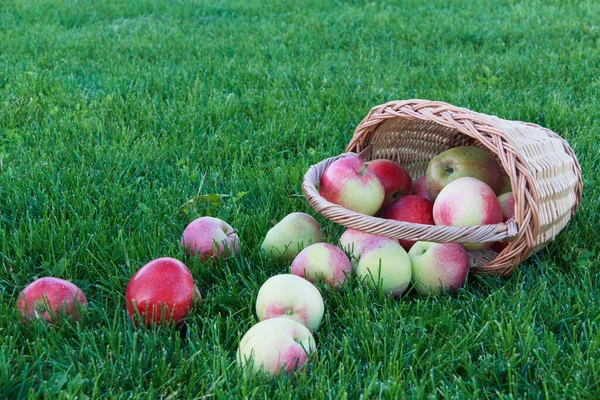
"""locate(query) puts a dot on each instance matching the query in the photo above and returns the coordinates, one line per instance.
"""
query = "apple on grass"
(210, 238)
(275, 345)
(467, 202)
(412, 209)
(50, 299)
(161, 292)
(395, 180)
(419, 187)
(438, 267)
(322, 262)
(458, 162)
(351, 242)
(290, 235)
(350, 183)
(293, 297)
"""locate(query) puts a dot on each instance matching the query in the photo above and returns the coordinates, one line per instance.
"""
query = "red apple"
(208, 237)
(410, 208)
(438, 267)
(419, 187)
(162, 291)
(350, 183)
(459, 162)
(49, 298)
(467, 202)
(507, 202)
(395, 180)
(322, 262)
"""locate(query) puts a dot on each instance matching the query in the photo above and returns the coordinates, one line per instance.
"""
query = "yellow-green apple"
(350, 183)
(394, 179)
(275, 345)
(459, 162)
(412, 209)
(209, 238)
(438, 267)
(290, 296)
(419, 187)
(507, 202)
(383, 261)
(322, 262)
(467, 201)
(290, 235)
(161, 292)
(50, 299)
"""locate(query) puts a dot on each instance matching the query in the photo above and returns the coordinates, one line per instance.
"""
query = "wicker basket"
(543, 170)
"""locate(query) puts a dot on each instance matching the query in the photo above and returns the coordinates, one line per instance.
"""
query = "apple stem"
(364, 168)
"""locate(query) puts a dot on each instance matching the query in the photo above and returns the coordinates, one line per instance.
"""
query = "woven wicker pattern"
(543, 169)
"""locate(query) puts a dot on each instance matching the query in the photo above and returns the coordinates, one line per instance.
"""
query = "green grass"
(112, 113)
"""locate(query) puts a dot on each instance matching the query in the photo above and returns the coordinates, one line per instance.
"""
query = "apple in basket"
(412, 209)
(378, 260)
(275, 345)
(459, 162)
(507, 202)
(467, 202)
(161, 292)
(50, 299)
(438, 267)
(208, 237)
(395, 180)
(350, 183)
(290, 235)
(322, 262)
(419, 187)
(293, 297)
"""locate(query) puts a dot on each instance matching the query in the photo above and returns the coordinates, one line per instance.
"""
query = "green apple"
(290, 235)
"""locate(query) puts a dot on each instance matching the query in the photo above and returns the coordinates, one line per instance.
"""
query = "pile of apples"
(461, 187)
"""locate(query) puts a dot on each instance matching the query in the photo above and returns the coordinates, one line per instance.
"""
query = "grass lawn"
(113, 112)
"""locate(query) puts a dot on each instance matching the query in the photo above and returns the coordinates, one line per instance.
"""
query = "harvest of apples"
(463, 186)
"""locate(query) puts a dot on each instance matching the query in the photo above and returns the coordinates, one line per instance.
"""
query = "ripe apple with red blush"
(161, 292)
(50, 298)
(395, 180)
(210, 238)
(412, 209)
(419, 187)
(350, 183)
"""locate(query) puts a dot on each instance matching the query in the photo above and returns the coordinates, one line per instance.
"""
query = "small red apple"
(395, 180)
(410, 208)
(47, 298)
(162, 291)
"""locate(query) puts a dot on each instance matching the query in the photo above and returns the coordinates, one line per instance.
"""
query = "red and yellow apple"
(275, 345)
(438, 267)
(293, 297)
(350, 183)
(208, 237)
(467, 201)
(322, 262)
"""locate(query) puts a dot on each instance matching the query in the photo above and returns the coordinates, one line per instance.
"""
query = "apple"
(274, 345)
(394, 179)
(438, 267)
(419, 187)
(290, 235)
(507, 202)
(506, 185)
(293, 297)
(459, 162)
(161, 292)
(50, 299)
(409, 208)
(351, 242)
(210, 238)
(383, 261)
(322, 262)
(467, 201)
(350, 183)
